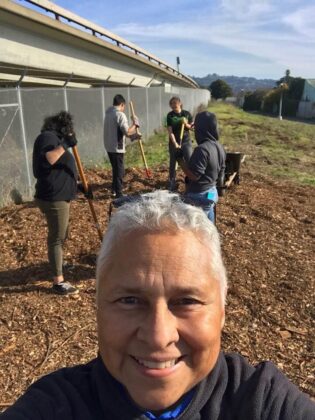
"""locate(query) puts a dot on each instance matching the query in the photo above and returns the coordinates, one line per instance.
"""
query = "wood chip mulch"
(267, 230)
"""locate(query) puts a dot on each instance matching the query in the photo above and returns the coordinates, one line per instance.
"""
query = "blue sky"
(259, 38)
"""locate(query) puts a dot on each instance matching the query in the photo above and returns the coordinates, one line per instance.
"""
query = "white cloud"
(244, 9)
(287, 42)
(302, 21)
(256, 35)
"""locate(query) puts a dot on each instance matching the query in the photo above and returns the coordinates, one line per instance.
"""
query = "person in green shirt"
(175, 119)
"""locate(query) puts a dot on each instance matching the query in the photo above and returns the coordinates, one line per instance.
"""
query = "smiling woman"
(159, 323)
(160, 312)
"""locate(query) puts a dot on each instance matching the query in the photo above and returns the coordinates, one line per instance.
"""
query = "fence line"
(88, 108)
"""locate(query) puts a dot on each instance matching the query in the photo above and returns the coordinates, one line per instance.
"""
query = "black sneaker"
(113, 194)
(120, 195)
(64, 288)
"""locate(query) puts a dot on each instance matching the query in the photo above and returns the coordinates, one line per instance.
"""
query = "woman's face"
(160, 316)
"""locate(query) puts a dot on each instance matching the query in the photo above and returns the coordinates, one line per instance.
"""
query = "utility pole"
(281, 99)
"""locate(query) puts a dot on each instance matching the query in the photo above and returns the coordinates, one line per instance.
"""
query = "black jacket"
(57, 182)
(233, 390)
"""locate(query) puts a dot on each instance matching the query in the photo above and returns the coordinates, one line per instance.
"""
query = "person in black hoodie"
(56, 185)
(205, 169)
(161, 288)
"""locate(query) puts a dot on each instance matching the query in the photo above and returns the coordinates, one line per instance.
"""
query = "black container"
(233, 164)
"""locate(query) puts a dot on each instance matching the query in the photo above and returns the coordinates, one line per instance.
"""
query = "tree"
(253, 101)
(220, 89)
(292, 94)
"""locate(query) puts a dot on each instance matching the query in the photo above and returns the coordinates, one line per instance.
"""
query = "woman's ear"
(223, 319)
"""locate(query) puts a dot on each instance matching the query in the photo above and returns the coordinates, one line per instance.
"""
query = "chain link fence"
(22, 111)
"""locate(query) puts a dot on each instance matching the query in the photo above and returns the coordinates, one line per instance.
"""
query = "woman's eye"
(129, 300)
(187, 302)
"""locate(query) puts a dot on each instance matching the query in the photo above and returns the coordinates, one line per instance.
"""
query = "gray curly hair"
(157, 212)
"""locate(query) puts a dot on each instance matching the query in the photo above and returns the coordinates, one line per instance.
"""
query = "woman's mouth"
(157, 364)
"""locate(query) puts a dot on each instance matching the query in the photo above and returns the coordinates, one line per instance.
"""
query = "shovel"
(147, 170)
(182, 128)
(86, 189)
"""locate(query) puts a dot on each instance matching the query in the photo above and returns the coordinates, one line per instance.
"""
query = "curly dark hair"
(62, 123)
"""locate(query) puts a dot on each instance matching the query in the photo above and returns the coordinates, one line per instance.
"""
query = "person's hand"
(221, 184)
(135, 136)
(221, 191)
(136, 121)
(179, 153)
(88, 194)
(69, 141)
(186, 123)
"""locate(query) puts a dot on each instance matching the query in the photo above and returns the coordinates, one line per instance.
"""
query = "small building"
(306, 107)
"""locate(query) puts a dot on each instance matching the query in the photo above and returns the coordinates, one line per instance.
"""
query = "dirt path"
(267, 230)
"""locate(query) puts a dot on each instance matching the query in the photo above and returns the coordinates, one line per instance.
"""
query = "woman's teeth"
(157, 365)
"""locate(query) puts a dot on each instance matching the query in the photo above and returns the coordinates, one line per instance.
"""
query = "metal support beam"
(150, 81)
(21, 78)
(68, 80)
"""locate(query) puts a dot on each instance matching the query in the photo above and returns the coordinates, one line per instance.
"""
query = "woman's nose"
(159, 327)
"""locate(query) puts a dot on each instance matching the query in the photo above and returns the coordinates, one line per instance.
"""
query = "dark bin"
(233, 164)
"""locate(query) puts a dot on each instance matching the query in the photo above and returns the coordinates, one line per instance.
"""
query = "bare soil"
(267, 230)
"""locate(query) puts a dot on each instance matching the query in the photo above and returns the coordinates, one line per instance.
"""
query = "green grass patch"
(284, 149)
(155, 149)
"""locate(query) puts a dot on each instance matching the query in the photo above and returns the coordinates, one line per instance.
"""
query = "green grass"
(155, 149)
(283, 149)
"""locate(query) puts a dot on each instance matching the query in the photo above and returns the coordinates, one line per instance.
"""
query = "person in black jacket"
(161, 289)
(56, 185)
(205, 169)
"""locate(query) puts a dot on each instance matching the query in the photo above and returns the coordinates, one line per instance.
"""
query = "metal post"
(65, 98)
(128, 101)
(147, 110)
(160, 99)
(103, 102)
(21, 115)
(280, 103)
(280, 106)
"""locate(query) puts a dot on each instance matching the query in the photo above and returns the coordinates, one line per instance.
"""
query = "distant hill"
(237, 83)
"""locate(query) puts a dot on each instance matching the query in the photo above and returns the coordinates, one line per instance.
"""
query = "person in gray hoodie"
(116, 128)
(206, 167)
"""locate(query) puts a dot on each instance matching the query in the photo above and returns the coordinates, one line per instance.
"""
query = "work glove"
(136, 121)
(87, 194)
(221, 184)
(68, 141)
(135, 136)
(179, 153)
(221, 191)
